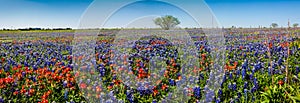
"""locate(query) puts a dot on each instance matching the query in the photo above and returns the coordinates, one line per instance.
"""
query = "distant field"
(33, 31)
(6, 40)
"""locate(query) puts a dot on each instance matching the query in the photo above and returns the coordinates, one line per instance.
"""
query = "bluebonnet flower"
(201, 76)
(245, 92)
(234, 86)
(149, 91)
(244, 73)
(197, 92)
(141, 90)
(224, 78)
(162, 72)
(218, 100)
(251, 76)
(239, 94)
(6, 68)
(23, 73)
(109, 101)
(209, 96)
(88, 81)
(65, 83)
(270, 70)
(26, 64)
(248, 69)
(163, 101)
(169, 95)
(253, 99)
(277, 72)
(253, 89)
(34, 67)
(220, 92)
(66, 94)
(102, 71)
(120, 101)
(230, 75)
(172, 82)
(238, 72)
(245, 85)
(191, 79)
(256, 53)
(229, 86)
(130, 97)
(280, 61)
(231, 100)
(253, 70)
(33, 78)
(178, 83)
(245, 64)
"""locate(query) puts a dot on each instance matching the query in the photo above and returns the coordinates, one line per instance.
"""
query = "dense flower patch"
(37, 71)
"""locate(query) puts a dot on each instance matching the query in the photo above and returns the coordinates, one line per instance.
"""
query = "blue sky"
(67, 13)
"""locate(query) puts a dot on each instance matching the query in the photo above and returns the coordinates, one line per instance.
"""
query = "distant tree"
(274, 25)
(167, 22)
(295, 25)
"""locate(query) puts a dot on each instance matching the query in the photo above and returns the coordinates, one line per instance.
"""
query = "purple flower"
(172, 82)
(253, 70)
(1, 100)
(245, 92)
(65, 83)
(234, 86)
(253, 98)
(220, 92)
(109, 101)
(244, 73)
(280, 61)
(245, 85)
(224, 78)
(230, 75)
(270, 70)
(130, 97)
(251, 76)
(23, 73)
(238, 72)
(255, 82)
(239, 94)
(66, 94)
(209, 96)
(102, 71)
(201, 76)
(229, 86)
(253, 89)
(218, 100)
(231, 101)
(197, 92)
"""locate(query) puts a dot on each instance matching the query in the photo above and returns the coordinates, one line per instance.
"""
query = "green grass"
(7, 40)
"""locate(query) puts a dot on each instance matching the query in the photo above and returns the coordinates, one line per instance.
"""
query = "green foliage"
(167, 22)
(274, 25)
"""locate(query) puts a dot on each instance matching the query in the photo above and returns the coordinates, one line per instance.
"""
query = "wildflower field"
(39, 67)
